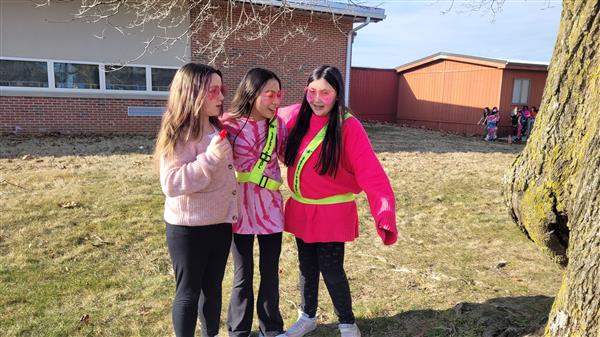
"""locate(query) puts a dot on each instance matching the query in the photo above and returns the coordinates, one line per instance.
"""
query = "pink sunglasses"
(214, 91)
(271, 95)
(326, 96)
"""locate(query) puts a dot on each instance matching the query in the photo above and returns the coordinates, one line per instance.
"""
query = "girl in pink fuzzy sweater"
(197, 178)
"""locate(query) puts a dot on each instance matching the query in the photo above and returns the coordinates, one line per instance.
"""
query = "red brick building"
(53, 74)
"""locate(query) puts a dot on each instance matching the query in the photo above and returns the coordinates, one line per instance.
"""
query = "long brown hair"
(181, 120)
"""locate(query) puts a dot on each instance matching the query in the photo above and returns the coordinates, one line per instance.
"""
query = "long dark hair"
(247, 92)
(331, 148)
(249, 89)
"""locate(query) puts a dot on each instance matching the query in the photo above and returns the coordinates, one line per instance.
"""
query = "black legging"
(328, 259)
(199, 255)
(241, 305)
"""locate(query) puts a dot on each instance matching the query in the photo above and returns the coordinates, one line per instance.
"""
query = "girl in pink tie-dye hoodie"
(258, 137)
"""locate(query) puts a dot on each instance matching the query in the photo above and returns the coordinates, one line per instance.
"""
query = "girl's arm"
(371, 177)
(289, 114)
(178, 177)
(282, 135)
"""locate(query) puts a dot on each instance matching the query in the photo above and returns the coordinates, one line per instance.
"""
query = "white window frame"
(52, 91)
(520, 81)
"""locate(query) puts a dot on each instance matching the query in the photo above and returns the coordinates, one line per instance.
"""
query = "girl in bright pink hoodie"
(330, 159)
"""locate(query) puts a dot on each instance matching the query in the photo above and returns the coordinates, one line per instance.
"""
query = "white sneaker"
(303, 325)
(349, 330)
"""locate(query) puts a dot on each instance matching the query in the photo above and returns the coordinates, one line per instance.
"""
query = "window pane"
(524, 91)
(23, 74)
(76, 76)
(161, 78)
(125, 78)
(516, 98)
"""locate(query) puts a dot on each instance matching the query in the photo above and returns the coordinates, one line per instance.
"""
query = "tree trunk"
(553, 187)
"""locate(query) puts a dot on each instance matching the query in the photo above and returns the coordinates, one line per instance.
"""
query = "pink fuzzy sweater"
(200, 188)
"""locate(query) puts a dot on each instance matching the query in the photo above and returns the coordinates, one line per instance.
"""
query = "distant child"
(258, 137)
(525, 122)
(514, 121)
(492, 124)
(197, 178)
(530, 121)
(483, 119)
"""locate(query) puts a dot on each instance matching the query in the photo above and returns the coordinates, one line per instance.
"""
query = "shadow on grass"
(499, 317)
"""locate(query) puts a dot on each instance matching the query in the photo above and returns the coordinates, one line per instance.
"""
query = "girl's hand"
(387, 235)
(219, 147)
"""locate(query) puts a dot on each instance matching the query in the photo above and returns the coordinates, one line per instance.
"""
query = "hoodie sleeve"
(371, 178)
(289, 114)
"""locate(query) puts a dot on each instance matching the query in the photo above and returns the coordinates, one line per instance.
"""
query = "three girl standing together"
(329, 159)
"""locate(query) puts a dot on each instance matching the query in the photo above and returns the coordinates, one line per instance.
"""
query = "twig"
(4, 181)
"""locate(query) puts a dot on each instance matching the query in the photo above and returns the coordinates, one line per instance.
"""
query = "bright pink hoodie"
(359, 170)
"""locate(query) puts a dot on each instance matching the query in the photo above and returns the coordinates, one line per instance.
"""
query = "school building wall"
(48, 32)
(537, 80)
(447, 95)
(76, 112)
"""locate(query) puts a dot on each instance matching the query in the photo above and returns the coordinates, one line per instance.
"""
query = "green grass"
(107, 258)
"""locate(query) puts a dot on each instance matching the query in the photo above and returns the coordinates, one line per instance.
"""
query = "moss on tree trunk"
(553, 187)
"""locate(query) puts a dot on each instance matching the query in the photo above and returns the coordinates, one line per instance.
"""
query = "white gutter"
(326, 6)
(349, 58)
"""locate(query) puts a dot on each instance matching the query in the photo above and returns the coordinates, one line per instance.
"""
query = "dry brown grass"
(104, 255)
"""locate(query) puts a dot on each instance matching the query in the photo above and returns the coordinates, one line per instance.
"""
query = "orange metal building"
(447, 92)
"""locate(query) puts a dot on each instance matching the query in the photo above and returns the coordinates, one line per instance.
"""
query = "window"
(46, 75)
(520, 91)
(161, 78)
(125, 78)
(23, 74)
(76, 76)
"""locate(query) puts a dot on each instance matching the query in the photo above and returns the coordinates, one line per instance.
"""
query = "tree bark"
(553, 187)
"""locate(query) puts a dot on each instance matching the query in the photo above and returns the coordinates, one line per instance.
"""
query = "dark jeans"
(199, 255)
(328, 259)
(241, 306)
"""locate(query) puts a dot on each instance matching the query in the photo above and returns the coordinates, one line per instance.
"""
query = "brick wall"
(291, 58)
(33, 115)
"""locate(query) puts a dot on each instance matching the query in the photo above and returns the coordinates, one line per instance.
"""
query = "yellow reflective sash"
(256, 175)
(308, 151)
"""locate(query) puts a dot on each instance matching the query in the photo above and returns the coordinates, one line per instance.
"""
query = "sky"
(413, 29)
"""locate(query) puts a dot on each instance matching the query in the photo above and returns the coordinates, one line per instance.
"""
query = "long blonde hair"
(181, 120)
